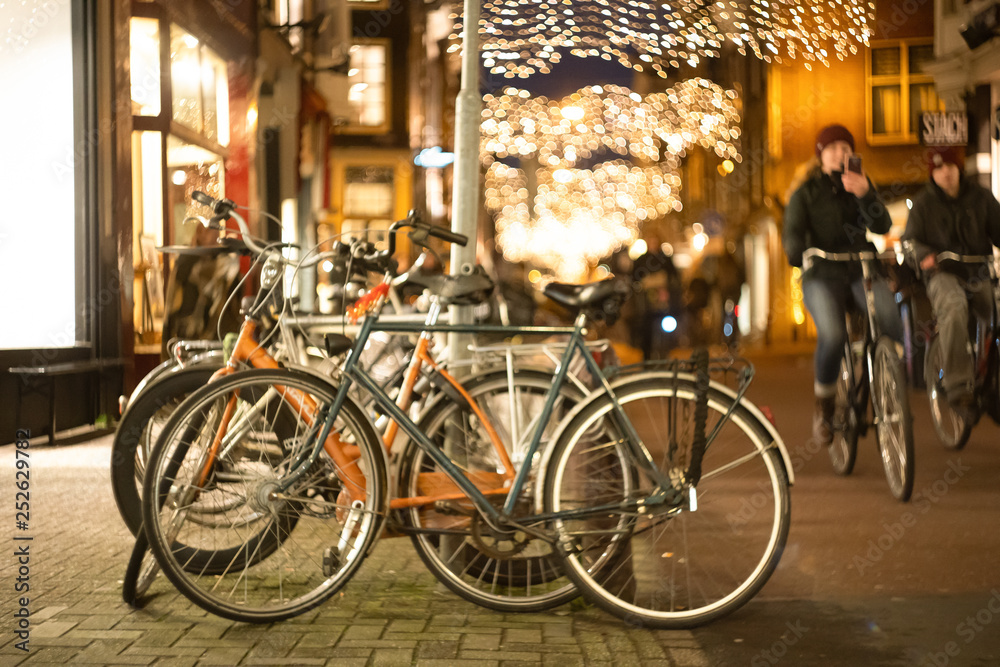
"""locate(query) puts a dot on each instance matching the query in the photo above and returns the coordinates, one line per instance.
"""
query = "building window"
(369, 201)
(899, 91)
(200, 87)
(368, 93)
(289, 13)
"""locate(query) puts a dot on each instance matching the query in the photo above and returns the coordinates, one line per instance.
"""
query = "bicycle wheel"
(137, 433)
(952, 429)
(843, 450)
(495, 567)
(134, 440)
(235, 500)
(662, 565)
(894, 425)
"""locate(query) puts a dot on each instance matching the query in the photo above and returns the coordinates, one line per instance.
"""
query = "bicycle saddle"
(602, 300)
(462, 290)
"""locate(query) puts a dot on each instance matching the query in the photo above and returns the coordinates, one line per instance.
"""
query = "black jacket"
(968, 224)
(822, 214)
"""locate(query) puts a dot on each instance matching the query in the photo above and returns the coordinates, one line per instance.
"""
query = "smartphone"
(854, 164)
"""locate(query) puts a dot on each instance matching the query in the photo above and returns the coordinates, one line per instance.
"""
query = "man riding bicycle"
(957, 214)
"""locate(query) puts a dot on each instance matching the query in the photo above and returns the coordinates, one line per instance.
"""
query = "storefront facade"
(127, 107)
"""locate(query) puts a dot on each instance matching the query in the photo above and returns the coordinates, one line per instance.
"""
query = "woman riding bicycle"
(831, 211)
(954, 214)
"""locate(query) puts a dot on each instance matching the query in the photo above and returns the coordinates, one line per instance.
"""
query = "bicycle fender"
(212, 358)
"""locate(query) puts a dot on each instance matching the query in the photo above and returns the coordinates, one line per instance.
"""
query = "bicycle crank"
(498, 542)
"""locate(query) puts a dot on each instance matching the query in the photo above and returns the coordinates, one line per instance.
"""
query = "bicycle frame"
(576, 343)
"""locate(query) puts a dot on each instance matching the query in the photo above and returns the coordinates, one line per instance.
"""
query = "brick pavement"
(392, 613)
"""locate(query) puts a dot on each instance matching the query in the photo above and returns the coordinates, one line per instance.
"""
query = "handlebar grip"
(203, 198)
(448, 235)
(221, 207)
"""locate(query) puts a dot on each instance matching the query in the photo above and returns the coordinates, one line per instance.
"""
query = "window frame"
(167, 127)
(386, 125)
(402, 182)
(908, 135)
(362, 5)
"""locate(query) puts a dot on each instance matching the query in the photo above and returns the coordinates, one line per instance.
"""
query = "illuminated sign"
(944, 128)
(433, 158)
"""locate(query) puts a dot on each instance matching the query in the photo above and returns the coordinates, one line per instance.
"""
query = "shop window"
(367, 78)
(43, 267)
(899, 90)
(144, 63)
(190, 168)
(200, 88)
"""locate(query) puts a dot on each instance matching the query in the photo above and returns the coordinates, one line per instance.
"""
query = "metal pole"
(465, 195)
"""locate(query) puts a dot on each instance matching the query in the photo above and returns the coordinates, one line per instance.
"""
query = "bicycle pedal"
(331, 561)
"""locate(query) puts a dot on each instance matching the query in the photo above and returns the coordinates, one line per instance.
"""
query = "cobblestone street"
(392, 613)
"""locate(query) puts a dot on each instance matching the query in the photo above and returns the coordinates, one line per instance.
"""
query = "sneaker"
(823, 420)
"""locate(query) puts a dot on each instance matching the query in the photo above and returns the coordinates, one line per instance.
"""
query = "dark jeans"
(827, 302)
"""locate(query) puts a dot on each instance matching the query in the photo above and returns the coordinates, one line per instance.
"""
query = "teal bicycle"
(663, 494)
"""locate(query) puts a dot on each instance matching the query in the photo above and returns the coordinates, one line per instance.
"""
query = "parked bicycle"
(871, 374)
(952, 428)
(642, 493)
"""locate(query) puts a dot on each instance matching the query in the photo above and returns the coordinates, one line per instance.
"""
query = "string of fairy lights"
(525, 37)
(565, 217)
(561, 132)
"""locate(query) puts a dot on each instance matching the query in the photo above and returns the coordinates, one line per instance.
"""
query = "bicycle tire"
(139, 574)
(137, 431)
(725, 550)
(843, 450)
(952, 430)
(894, 424)
(472, 561)
(322, 534)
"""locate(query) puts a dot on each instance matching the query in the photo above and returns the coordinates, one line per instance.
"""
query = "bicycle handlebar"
(951, 256)
(225, 209)
(851, 256)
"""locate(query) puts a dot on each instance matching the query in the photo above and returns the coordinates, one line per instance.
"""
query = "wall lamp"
(982, 28)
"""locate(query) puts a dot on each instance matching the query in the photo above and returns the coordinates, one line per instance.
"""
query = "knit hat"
(938, 156)
(832, 133)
